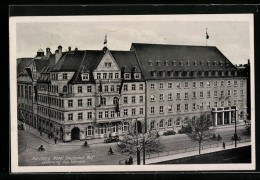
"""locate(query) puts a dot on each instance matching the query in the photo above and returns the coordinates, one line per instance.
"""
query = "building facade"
(84, 94)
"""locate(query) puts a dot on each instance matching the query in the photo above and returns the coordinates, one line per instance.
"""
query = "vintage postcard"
(113, 93)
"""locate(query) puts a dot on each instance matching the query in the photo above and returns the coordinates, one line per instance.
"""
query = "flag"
(207, 36)
(105, 40)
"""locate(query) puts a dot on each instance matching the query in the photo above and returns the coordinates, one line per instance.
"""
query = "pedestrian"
(41, 133)
(126, 162)
(130, 160)
(224, 145)
(55, 140)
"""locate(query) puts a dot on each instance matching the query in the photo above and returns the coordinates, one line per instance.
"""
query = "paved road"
(73, 154)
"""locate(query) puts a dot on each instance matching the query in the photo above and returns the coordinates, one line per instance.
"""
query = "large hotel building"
(84, 94)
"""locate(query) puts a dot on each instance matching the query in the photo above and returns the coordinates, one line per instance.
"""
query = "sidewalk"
(192, 153)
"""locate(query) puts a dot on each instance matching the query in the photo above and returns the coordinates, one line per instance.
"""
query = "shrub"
(167, 133)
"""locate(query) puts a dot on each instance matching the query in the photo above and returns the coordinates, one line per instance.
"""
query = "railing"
(188, 149)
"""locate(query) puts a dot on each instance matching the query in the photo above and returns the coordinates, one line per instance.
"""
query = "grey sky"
(231, 38)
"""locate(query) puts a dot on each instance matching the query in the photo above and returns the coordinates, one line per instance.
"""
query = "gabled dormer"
(127, 73)
(136, 72)
(84, 73)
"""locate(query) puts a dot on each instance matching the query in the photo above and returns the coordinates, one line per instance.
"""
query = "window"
(100, 115)
(202, 106)
(169, 85)
(178, 85)
(79, 89)
(18, 91)
(221, 83)
(70, 103)
(170, 123)
(201, 84)
(125, 87)
(178, 122)
(229, 92)
(169, 108)
(110, 75)
(137, 76)
(141, 99)
(125, 112)
(84, 77)
(89, 88)
(235, 102)
(80, 116)
(90, 131)
(106, 114)
(65, 76)
(161, 85)
(104, 75)
(235, 83)
(125, 126)
(194, 106)
(106, 88)
(133, 87)
(161, 109)
(235, 92)
(194, 84)
(108, 64)
(133, 111)
(215, 83)
(178, 96)
(118, 88)
(116, 75)
(241, 92)
(222, 103)
(169, 97)
(141, 87)
(186, 84)
(150, 63)
(133, 99)
(194, 95)
(152, 86)
(89, 115)
(79, 102)
(115, 100)
(241, 83)
(208, 83)
(112, 88)
(208, 106)
(215, 104)
(152, 110)
(152, 125)
(186, 95)
(103, 101)
(201, 94)
(127, 76)
(221, 93)
(141, 111)
(98, 75)
(161, 124)
(125, 100)
(208, 94)
(152, 97)
(229, 103)
(161, 97)
(178, 107)
(89, 102)
(229, 83)
(186, 107)
(70, 117)
(215, 93)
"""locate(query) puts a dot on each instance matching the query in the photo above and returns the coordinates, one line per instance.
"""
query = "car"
(112, 139)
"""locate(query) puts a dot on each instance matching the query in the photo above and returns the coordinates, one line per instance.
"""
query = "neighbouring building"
(84, 94)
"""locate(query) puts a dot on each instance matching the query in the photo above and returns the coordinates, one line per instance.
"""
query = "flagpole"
(206, 36)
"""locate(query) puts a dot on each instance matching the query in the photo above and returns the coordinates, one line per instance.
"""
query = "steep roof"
(40, 64)
(22, 63)
(177, 57)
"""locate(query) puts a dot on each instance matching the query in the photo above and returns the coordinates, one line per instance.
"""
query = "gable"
(107, 63)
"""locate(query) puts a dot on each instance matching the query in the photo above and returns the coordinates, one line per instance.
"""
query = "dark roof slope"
(167, 54)
(40, 64)
(22, 63)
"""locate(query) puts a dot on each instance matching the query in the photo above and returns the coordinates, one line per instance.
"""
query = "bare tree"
(133, 141)
(202, 129)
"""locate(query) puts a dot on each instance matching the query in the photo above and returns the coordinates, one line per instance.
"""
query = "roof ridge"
(171, 45)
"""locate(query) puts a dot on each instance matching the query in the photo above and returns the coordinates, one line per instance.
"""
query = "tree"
(202, 129)
(133, 141)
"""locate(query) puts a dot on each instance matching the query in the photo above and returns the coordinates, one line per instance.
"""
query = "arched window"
(115, 100)
(170, 123)
(178, 122)
(65, 88)
(90, 131)
(103, 101)
(152, 125)
(161, 124)
(186, 120)
(125, 126)
(193, 120)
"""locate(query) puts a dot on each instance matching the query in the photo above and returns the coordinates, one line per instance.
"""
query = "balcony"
(66, 95)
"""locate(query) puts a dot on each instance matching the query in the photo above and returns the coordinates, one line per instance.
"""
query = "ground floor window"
(178, 122)
(114, 129)
(102, 130)
(241, 115)
(193, 120)
(152, 125)
(90, 131)
(170, 123)
(125, 126)
(186, 120)
(161, 125)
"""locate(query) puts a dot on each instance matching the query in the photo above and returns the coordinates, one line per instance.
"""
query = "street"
(72, 153)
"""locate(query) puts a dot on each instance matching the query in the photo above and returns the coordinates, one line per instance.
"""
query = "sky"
(230, 37)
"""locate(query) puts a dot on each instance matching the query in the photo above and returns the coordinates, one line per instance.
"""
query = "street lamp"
(235, 117)
(137, 144)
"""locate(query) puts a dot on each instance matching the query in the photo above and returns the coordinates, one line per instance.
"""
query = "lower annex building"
(83, 94)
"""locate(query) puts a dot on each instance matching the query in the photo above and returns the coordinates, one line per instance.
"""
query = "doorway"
(75, 133)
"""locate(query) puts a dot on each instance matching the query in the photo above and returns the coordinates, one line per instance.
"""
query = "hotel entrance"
(223, 115)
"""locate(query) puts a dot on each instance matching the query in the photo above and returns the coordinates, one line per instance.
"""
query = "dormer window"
(163, 73)
(215, 63)
(188, 63)
(171, 73)
(181, 63)
(108, 64)
(221, 63)
(223, 73)
(85, 77)
(227, 64)
(216, 73)
(202, 63)
(209, 73)
(127, 76)
(98, 75)
(208, 63)
(158, 62)
(174, 63)
(154, 73)
(150, 63)
(195, 63)
(166, 63)
(137, 76)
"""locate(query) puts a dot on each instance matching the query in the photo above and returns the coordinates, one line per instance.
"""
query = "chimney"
(76, 49)
(69, 48)
(48, 52)
(57, 56)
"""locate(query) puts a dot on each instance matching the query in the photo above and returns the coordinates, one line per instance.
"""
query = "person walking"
(224, 145)
(130, 160)
(55, 140)
(126, 162)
